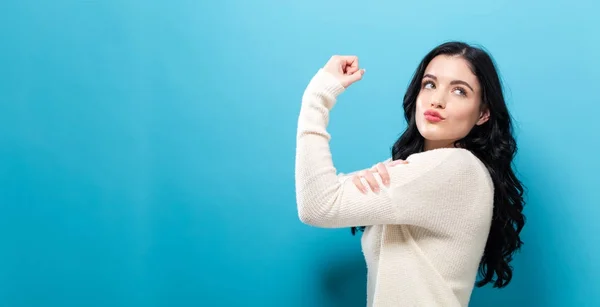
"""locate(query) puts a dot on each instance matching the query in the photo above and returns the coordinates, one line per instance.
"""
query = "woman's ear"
(483, 116)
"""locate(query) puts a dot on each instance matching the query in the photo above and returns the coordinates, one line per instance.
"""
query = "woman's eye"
(428, 85)
(460, 91)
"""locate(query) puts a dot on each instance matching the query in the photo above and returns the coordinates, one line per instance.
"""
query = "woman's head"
(449, 101)
(460, 82)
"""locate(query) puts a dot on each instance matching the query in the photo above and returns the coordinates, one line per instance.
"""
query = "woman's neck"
(430, 145)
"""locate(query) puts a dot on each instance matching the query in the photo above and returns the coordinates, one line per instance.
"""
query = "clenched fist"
(345, 68)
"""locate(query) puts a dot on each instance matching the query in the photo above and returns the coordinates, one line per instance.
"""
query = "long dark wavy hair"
(494, 144)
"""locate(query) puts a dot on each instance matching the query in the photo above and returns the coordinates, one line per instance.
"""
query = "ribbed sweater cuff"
(326, 84)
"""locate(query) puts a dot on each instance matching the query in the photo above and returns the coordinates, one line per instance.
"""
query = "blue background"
(147, 147)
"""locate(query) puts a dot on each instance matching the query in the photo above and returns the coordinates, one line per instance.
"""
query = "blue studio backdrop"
(147, 147)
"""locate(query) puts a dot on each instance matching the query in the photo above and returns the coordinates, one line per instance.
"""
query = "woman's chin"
(431, 133)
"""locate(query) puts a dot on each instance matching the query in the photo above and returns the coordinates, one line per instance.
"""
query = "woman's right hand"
(368, 175)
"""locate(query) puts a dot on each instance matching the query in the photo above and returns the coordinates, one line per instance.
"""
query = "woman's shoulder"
(442, 154)
(459, 159)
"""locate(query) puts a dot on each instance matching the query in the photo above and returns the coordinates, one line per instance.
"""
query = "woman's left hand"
(368, 175)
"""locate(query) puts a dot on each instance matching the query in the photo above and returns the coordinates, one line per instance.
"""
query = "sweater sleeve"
(419, 191)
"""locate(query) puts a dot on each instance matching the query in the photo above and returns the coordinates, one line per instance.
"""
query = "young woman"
(446, 206)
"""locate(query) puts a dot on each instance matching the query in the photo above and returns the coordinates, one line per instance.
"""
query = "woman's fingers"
(358, 183)
(383, 173)
(369, 176)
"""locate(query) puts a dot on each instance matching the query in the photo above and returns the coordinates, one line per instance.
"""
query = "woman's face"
(449, 102)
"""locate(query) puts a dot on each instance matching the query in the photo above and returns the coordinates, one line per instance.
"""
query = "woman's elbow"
(307, 218)
(306, 215)
(315, 209)
(312, 216)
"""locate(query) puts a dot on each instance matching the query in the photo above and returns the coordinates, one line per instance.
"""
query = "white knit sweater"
(425, 233)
